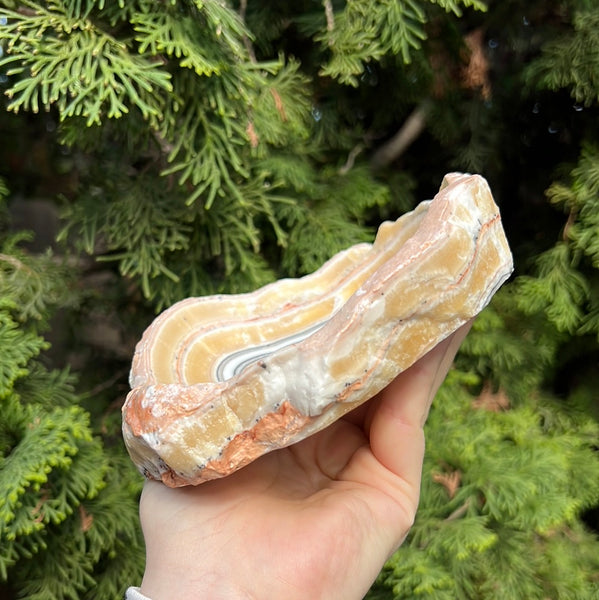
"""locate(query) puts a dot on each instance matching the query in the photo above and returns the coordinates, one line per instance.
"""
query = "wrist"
(166, 584)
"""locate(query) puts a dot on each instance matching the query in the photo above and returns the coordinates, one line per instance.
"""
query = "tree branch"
(408, 132)
(243, 5)
(459, 512)
(15, 262)
(351, 159)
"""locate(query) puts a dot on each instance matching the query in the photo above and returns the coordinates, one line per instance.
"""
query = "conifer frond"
(63, 570)
(246, 272)
(571, 61)
(59, 498)
(562, 195)
(321, 234)
(357, 191)
(52, 470)
(281, 109)
(34, 284)
(402, 28)
(415, 571)
(464, 538)
(48, 441)
(209, 158)
(3, 189)
(579, 197)
(113, 12)
(365, 31)
(69, 62)
(499, 348)
(227, 25)
(564, 552)
(82, 8)
(17, 347)
(173, 35)
(141, 225)
(456, 6)
(293, 171)
(144, 231)
(47, 388)
(586, 172)
(332, 223)
(352, 48)
(584, 230)
(591, 320)
(559, 289)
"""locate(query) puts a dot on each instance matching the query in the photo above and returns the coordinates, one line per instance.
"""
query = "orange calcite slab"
(221, 380)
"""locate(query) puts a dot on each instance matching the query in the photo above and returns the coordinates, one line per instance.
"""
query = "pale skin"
(313, 521)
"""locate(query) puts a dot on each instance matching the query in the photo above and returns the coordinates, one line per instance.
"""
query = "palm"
(315, 520)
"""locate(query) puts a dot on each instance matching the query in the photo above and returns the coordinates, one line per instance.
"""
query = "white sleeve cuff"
(133, 593)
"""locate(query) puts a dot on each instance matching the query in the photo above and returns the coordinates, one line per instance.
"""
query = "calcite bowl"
(218, 381)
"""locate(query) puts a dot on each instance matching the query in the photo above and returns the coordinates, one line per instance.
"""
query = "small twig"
(243, 5)
(104, 385)
(328, 11)
(351, 159)
(569, 223)
(459, 512)
(28, 12)
(408, 132)
(18, 265)
(14, 262)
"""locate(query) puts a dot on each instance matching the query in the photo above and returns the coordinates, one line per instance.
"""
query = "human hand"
(316, 520)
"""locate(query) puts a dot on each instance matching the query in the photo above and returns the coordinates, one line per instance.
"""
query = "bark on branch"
(408, 132)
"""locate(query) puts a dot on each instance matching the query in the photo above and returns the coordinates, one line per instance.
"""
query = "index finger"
(395, 430)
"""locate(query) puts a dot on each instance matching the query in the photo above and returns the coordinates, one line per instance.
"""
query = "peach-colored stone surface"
(218, 381)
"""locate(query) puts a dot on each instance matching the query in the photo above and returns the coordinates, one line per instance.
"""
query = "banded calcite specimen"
(218, 381)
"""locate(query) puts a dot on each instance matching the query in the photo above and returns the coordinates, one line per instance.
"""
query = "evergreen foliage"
(59, 487)
(568, 61)
(201, 114)
(501, 481)
(215, 146)
(367, 31)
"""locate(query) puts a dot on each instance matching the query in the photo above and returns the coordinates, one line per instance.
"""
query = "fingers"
(396, 436)
(410, 395)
